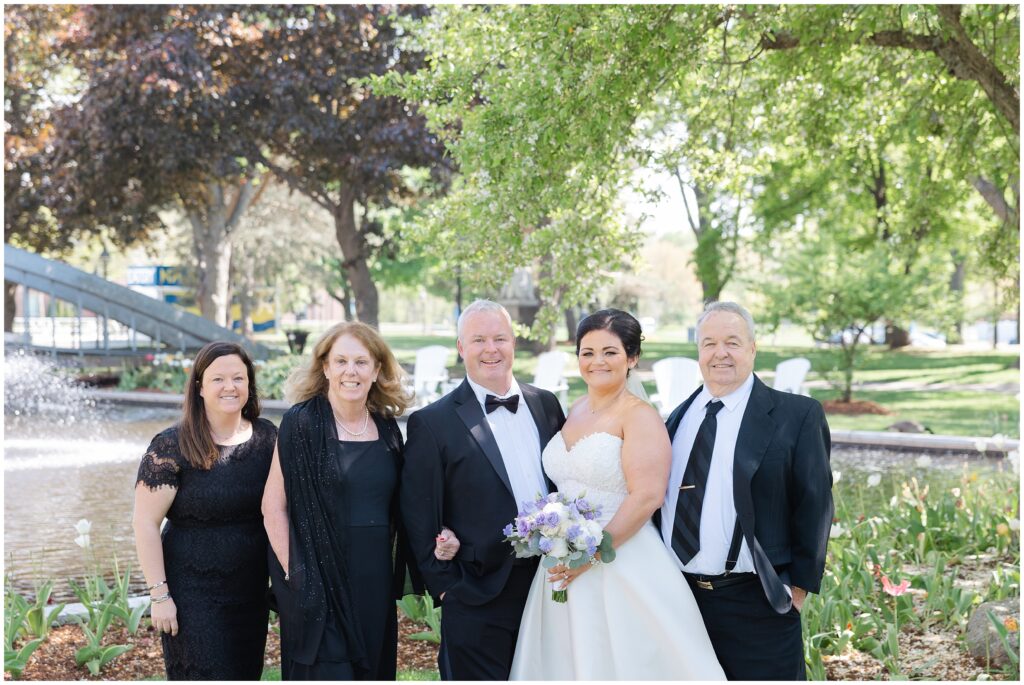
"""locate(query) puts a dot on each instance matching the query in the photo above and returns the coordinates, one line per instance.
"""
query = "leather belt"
(717, 582)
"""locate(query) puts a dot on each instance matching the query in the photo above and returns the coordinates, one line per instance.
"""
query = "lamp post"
(104, 261)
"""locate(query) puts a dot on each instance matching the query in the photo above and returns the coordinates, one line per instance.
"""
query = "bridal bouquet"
(562, 531)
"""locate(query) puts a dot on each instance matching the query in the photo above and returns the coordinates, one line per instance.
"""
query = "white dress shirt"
(518, 441)
(718, 513)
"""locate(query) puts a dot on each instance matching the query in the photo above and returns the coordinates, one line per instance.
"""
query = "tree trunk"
(10, 305)
(571, 322)
(849, 357)
(213, 219)
(212, 250)
(355, 268)
(956, 286)
(246, 278)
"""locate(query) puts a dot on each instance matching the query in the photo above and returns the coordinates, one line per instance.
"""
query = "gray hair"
(732, 308)
(480, 306)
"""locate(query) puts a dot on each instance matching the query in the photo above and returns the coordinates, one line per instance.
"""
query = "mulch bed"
(854, 407)
(55, 658)
(935, 655)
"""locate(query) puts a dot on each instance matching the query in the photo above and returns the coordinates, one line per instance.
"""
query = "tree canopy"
(544, 108)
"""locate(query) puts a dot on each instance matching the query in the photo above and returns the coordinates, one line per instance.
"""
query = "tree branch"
(958, 53)
(995, 199)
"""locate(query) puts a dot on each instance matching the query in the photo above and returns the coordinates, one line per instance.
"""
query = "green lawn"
(945, 410)
(971, 393)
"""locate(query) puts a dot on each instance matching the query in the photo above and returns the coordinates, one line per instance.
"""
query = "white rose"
(593, 529)
(559, 548)
(83, 527)
(563, 516)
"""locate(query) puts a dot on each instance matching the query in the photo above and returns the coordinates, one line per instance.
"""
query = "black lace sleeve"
(161, 465)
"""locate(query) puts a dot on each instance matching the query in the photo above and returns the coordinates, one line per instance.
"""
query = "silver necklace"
(366, 423)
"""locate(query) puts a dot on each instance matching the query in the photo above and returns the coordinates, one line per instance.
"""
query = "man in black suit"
(471, 459)
(749, 502)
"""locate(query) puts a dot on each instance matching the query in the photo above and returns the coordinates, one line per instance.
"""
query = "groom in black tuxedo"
(471, 459)
(749, 503)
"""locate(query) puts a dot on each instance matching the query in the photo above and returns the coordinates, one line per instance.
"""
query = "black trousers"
(478, 642)
(751, 641)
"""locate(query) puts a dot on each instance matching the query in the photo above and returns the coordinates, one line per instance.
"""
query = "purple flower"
(545, 545)
(553, 518)
(582, 504)
(573, 532)
(523, 526)
(507, 530)
(589, 515)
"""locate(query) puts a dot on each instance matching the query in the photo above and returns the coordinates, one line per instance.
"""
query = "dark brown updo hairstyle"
(195, 441)
(622, 324)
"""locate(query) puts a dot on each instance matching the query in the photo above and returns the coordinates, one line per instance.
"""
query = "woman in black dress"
(330, 511)
(207, 577)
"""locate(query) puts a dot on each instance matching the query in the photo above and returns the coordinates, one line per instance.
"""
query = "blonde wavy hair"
(387, 397)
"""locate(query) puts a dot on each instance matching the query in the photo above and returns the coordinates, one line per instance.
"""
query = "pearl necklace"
(366, 422)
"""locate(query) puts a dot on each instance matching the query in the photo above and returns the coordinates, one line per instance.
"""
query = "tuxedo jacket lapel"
(546, 424)
(532, 398)
(756, 432)
(676, 417)
(472, 415)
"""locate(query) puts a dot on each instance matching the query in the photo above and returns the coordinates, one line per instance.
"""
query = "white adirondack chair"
(676, 378)
(790, 375)
(550, 374)
(429, 373)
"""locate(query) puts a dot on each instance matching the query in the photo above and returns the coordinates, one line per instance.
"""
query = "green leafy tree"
(837, 290)
(539, 106)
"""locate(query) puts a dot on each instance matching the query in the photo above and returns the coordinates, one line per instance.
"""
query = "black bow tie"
(510, 403)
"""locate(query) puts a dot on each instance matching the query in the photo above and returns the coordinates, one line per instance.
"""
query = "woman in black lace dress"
(330, 508)
(207, 576)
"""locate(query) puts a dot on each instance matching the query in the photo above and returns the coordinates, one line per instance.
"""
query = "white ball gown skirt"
(632, 619)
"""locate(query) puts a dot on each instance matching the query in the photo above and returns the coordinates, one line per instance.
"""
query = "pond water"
(55, 475)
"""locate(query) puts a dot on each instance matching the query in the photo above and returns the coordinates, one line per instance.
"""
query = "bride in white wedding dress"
(634, 618)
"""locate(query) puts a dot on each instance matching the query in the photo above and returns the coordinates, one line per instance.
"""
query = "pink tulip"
(894, 590)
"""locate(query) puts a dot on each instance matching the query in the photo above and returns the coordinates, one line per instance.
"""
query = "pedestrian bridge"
(166, 326)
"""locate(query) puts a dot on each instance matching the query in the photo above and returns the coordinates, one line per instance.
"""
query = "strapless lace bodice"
(593, 466)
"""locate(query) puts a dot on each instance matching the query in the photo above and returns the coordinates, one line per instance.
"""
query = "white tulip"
(836, 531)
(874, 479)
(924, 461)
(82, 541)
(83, 527)
(836, 476)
